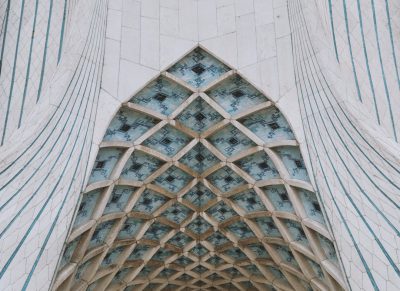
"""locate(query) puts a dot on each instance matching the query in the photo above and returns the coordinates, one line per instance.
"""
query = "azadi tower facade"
(199, 145)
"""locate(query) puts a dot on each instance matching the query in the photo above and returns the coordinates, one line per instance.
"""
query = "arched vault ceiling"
(199, 183)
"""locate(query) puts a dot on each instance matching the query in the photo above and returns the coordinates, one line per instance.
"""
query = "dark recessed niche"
(100, 165)
(284, 197)
(228, 179)
(299, 164)
(166, 141)
(316, 206)
(199, 116)
(170, 178)
(136, 167)
(233, 141)
(199, 157)
(273, 125)
(263, 166)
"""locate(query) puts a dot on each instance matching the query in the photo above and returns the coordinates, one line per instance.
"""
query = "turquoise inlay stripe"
(62, 32)
(13, 72)
(27, 281)
(371, 84)
(28, 69)
(392, 41)
(55, 187)
(300, 90)
(348, 196)
(333, 29)
(5, 36)
(351, 51)
(45, 51)
(382, 69)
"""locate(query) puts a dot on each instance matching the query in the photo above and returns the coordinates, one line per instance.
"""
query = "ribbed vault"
(199, 183)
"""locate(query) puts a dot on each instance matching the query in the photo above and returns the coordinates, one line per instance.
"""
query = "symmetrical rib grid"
(199, 183)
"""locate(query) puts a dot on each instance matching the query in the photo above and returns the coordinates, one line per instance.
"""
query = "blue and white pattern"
(223, 214)
(235, 95)
(161, 95)
(198, 68)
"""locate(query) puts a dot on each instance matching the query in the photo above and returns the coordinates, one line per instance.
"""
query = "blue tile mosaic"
(199, 269)
(161, 95)
(199, 116)
(259, 250)
(140, 166)
(156, 231)
(86, 207)
(112, 256)
(199, 159)
(221, 212)
(183, 261)
(328, 248)
(249, 201)
(185, 277)
(173, 179)
(236, 95)
(100, 234)
(138, 252)
(128, 125)
(217, 239)
(276, 272)
(149, 201)
(199, 195)
(119, 277)
(180, 240)
(104, 164)
(311, 205)
(198, 250)
(168, 141)
(253, 270)
(177, 213)
(82, 269)
(241, 230)
(317, 269)
(226, 179)
(146, 271)
(232, 272)
(279, 197)
(214, 277)
(287, 255)
(68, 252)
(267, 226)
(167, 273)
(130, 228)
(162, 255)
(269, 125)
(292, 159)
(296, 231)
(259, 166)
(118, 199)
(198, 68)
(215, 261)
(236, 254)
(230, 141)
(198, 225)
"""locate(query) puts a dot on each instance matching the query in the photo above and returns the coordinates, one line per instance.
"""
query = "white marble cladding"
(143, 38)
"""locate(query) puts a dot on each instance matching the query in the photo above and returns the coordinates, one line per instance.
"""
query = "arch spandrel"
(199, 183)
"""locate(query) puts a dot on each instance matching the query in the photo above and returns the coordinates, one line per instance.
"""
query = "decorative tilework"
(177, 213)
(217, 225)
(173, 179)
(259, 166)
(86, 207)
(249, 201)
(269, 125)
(198, 68)
(279, 197)
(199, 225)
(240, 230)
(157, 231)
(130, 228)
(128, 125)
(140, 166)
(168, 141)
(149, 201)
(294, 163)
(199, 195)
(226, 179)
(104, 164)
(161, 95)
(230, 141)
(221, 212)
(235, 95)
(118, 199)
(199, 116)
(199, 159)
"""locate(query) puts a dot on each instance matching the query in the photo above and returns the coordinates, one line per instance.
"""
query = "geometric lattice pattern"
(199, 184)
